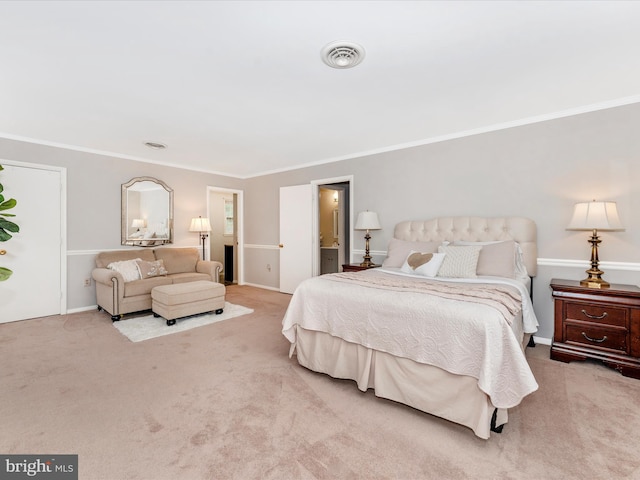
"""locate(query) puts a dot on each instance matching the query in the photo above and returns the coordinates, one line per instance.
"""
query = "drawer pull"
(595, 317)
(594, 339)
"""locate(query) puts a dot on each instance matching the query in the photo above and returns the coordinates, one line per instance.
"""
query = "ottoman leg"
(219, 311)
(171, 322)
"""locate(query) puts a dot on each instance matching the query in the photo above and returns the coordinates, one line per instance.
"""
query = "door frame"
(315, 208)
(63, 222)
(239, 224)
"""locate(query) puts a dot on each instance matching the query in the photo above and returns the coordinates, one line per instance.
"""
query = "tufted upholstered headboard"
(475, 229)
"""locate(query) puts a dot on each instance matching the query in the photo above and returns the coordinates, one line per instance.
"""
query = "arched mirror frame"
(127, 221)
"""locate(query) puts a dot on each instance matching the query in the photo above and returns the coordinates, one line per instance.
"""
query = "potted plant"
(6, 226)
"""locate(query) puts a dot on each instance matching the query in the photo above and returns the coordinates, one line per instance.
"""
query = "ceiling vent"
(342, 54)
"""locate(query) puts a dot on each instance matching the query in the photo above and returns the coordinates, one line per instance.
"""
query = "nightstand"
(355, 267)
(599, 324)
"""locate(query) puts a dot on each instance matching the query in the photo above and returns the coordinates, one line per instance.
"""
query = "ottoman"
(185, 299)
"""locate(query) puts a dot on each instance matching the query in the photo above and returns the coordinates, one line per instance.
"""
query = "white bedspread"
(460, 337)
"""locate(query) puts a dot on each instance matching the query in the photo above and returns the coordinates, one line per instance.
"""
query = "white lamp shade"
(137, 223)
(200, 225)
(367, 221)
(595, 216)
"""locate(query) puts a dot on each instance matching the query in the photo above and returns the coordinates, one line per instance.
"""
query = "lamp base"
(594, 280)
(367, 263)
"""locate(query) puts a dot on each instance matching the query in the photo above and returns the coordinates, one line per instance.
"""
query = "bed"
(442, 326)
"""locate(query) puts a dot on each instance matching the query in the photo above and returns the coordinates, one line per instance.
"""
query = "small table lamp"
(595, 216)
(367, 221)
(202, 226)
(137, 223)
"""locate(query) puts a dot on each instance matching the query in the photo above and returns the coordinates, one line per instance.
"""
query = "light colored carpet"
(225, 402)
(138, 329)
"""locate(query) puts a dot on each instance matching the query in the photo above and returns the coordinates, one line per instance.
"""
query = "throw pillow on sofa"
(127, 268)
(151, 269)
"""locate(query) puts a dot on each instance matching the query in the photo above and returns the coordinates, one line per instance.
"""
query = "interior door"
(296, 236)
(35, 253)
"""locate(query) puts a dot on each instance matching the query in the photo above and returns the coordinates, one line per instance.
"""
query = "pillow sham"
(127, 268)
(151, 269)
(398, 250)
(497, 259)
(425, 264)
(499, 251)
(459, 261)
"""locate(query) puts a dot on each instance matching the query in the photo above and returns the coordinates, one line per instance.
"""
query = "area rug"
(145, 327)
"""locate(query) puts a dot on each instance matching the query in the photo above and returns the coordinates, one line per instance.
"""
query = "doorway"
(224, 207)
(332, 224)
(333, 241)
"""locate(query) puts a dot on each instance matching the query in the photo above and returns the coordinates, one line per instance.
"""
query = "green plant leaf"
(7, 215)
(8, 204)
(4, 236)
(7, 225)
(5, 273)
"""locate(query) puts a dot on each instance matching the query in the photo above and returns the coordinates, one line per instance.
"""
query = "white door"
(296, 236)
(34, 254)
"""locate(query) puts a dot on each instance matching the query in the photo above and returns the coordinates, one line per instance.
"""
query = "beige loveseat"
(118, 297)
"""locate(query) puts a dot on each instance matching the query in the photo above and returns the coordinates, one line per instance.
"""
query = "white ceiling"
(238, 88)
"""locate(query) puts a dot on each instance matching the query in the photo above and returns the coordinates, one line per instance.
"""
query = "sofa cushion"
(178, 260)
(143, 287)
(105, 258)
(189, 277)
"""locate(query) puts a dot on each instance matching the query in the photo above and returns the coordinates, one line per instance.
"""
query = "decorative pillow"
(151, 269)
(459, 262)
(521, 268)
(426, 264)
(497, 259)
(127, 268)
(398, 250)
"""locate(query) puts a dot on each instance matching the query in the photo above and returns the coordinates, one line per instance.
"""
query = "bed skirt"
(427, 388)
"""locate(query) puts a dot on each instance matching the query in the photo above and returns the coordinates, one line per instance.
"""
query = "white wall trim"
(561, 262)
(542, 340)
(257, 285)
(263, 247)
(71, 253)
(82, 309)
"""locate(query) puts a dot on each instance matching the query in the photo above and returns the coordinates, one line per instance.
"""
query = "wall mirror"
(147, 212)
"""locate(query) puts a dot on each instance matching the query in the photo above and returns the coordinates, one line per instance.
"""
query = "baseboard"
(82, 309)
(542, 340)
(257, 285)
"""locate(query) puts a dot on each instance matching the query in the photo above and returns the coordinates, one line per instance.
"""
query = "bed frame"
(457, 397)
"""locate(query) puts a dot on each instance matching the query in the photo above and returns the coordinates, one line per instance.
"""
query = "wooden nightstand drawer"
(604, 314)
(595, 337)
(598, 324)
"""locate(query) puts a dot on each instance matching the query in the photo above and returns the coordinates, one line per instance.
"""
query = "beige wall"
(536, 170)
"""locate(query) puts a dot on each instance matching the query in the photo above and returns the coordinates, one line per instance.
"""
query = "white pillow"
(459, 262)
(425, 264)
(127, 268)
